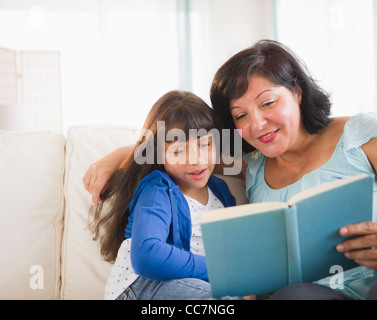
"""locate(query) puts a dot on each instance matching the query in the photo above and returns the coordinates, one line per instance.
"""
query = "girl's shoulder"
(157, 177)
(155, 182)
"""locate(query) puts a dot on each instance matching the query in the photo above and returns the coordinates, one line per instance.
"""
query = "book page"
(323, 188)
(242, 210)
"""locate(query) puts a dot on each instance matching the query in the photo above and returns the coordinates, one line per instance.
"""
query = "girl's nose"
(197, 155)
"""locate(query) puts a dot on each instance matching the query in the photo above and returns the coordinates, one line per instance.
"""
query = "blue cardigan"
(160, 228)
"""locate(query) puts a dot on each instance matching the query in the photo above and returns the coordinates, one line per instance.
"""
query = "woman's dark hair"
(274, 61)
(178, 109)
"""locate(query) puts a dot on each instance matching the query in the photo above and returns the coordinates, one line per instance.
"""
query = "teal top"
(347, 160)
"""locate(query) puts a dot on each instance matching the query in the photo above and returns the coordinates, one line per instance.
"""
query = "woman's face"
(269, 117)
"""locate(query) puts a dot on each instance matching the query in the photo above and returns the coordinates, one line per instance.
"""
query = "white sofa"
(47, 251)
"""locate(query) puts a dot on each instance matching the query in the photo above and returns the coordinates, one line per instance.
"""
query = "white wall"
(119, 56)
(238, 25)
(337, 40)
(227, 27)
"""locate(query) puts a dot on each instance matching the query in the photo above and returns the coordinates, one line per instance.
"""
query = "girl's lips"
(198, 174)
(268, 137)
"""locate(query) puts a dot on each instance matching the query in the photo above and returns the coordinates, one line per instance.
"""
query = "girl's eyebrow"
(179, 143)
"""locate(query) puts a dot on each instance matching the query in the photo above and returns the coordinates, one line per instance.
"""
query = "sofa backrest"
(84, 273)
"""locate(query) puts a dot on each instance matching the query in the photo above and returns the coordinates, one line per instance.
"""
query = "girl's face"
(269, 116)
(191, 163)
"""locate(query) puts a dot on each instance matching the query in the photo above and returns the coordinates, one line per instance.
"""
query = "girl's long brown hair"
(178, 109)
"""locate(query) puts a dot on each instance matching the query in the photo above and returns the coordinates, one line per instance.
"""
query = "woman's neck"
(297, 155)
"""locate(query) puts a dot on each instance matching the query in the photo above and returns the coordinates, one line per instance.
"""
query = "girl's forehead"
(185, 133)
(191, 138)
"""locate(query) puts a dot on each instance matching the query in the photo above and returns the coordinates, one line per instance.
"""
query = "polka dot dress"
(196, 211)
(122, 274)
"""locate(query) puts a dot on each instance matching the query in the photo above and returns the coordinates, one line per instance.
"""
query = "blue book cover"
(261, 247)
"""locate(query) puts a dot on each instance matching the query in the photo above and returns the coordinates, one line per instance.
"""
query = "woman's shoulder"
(358, 129)
(356, 121)
(336, 127)
(352, 131)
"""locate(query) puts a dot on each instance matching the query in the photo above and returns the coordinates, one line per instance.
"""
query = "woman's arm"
(363, 249)
(99, 173)
(370, 149)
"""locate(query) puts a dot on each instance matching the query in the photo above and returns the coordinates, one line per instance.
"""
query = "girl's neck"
(200, 195)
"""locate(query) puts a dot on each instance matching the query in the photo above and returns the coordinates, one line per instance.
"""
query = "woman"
(290, 142)
(279, 110)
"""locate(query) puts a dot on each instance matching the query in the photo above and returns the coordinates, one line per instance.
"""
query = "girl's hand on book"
(362, 249)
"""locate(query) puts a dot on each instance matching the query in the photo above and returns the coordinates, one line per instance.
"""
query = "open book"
(261, 247)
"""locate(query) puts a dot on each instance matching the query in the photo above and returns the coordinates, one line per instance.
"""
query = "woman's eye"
(240, 116)
(268, 103)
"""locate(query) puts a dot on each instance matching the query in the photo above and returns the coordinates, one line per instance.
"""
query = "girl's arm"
(152, 256)
(363, 248)
(99, 173)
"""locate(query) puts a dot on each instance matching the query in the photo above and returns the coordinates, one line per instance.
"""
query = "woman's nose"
(257, 120)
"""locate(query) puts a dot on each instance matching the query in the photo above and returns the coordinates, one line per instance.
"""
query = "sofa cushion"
(31, 210)
(237, 188)
(84, 273)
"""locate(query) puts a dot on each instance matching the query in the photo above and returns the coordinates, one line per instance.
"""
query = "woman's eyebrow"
(264, 91)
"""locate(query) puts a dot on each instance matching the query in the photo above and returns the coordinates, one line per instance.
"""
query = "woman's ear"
(298, 91)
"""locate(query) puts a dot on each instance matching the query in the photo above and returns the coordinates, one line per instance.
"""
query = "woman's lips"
(268, 137)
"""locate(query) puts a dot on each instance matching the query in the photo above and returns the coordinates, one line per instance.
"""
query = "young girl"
(152, 229)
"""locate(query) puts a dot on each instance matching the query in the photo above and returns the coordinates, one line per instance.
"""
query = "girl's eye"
(178, 151)
(205, 142)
